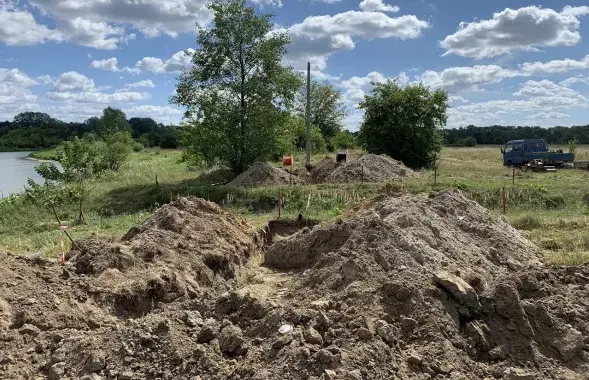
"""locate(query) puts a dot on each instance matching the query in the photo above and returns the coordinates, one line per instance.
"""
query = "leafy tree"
(113, 120)
(296, 131)
(344, 140)
(117, 148)
(327, 108)
(142, 125)
(79, 159)
(238, 92)
(404, 122)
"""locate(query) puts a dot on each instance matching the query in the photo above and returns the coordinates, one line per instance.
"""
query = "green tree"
(238, 92)
(327, 108)
(113, 120)
(404, 122)
(344, 140)
(117, 149)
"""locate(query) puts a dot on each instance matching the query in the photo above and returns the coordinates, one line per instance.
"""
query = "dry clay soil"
(401, 287)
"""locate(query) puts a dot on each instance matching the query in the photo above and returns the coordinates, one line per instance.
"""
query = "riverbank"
(44, 155)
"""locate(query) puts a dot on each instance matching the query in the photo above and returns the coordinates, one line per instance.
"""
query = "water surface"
(15, 168)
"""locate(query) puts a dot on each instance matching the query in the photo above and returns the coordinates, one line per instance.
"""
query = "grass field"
(551, 209)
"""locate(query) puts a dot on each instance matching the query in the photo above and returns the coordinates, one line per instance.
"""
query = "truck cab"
(520, 152)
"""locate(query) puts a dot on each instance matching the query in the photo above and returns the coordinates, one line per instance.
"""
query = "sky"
(502, 62)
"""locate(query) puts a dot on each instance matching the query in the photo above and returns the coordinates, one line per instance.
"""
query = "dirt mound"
(183, 248)
(410, 287)
(369, 168)
(437, 286)
(261, 174)
(323, 169)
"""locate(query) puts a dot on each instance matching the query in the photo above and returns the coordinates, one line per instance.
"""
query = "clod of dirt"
(261, 174)
(369, 168)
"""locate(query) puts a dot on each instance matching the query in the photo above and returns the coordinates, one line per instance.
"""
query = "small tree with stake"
(238, 92)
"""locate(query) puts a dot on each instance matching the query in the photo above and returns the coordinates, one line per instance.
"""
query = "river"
(15, 169)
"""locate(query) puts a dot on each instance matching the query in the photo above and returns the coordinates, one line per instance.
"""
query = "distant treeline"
(498, 134)
(36, 130)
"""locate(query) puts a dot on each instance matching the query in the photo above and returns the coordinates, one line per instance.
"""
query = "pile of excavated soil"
(261, 174)
(417, 287)
(323, 169)
(407, 287)
(369, 168)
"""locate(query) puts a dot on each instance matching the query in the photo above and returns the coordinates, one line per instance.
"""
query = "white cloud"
(98, 97)
(112, 64)
(175, 64)
(465, 78)
(377, 6)
(360, 82)
(18, 27)
(73, 81)
(555, 66)
(549, 116)
(14, 87)
(150, 17)
(271, 3)
(162, 114)
(457, 99)
(544, 88)
(143, 83)
(317, 37)
(524, 29)
(98, 35)
(572, 80)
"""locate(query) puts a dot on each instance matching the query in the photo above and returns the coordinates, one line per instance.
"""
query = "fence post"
(513, 176)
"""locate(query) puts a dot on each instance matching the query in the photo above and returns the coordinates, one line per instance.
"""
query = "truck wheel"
(508, 163)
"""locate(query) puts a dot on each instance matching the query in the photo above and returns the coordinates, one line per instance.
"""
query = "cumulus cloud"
(15, 87)
(73, 81)
(377, 6)
(317, 37)
(544, 88)
(572, 80)
(555, 67)
(151, 17)
(270, 3)
(465, 78)
(98, 97)
(457, 99)
(162, 114)
(512, 30)
(549, 116)
(143, 83)
(19, 28)
(175, 64)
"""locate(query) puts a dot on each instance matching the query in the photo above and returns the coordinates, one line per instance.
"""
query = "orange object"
(287, 161)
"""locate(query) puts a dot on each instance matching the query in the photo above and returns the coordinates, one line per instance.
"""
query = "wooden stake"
(513, 177)
(279, 204)
(66, 233)
(362, 173)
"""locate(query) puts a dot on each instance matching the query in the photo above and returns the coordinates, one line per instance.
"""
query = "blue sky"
(502, 62)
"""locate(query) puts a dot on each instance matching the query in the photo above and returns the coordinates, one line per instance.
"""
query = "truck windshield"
(508, 148)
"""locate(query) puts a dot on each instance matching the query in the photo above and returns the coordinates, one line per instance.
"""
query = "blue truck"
(521, 152)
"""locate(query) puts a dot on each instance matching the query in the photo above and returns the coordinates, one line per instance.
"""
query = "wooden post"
(362, 173)
(435, 175)
(513, 176)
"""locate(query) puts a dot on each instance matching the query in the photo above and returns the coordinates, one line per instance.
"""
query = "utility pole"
(308, 164)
